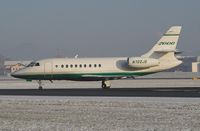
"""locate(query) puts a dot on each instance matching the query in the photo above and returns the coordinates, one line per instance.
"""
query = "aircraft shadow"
(113, 92)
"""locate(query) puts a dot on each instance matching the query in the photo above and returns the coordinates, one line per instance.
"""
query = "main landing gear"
(106, 84)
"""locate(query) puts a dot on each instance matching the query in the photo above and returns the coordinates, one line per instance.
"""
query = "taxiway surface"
(120, 88)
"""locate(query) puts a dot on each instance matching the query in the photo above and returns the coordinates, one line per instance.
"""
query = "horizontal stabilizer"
(165, 50)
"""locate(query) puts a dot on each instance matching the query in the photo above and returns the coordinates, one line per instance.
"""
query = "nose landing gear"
(40, 85)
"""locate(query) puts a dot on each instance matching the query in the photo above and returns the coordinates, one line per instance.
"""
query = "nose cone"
(14, 74)
(18, 74)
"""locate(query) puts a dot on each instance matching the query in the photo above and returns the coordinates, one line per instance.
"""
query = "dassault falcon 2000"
(160, 57)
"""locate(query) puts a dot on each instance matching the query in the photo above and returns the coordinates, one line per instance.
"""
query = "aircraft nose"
(17, 74)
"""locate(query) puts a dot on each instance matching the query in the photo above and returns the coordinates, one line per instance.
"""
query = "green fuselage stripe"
(80, 76)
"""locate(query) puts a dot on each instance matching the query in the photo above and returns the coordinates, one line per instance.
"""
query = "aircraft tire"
(106, 84)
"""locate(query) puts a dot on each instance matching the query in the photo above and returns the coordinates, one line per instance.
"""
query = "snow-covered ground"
(53, 113)
(95, 113)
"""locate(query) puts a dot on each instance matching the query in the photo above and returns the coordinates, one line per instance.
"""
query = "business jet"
(161, 57)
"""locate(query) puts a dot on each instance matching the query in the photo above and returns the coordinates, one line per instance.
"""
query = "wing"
(109, 77)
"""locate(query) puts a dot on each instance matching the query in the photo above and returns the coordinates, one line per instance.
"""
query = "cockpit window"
(37, 64)
(33, 64)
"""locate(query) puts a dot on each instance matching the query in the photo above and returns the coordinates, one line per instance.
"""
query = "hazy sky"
(34, 29)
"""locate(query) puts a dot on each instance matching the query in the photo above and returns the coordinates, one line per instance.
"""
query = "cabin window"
(62, 66)
(71, 66)
(99, 65)
(90, 65)
(80, 66)
(56, 66)
(85, 65)
(95, 65)
(76, 66)
(66, 66)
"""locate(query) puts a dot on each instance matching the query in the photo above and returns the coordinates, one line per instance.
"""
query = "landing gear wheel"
(106, 84)
(40, 88)
(40, 85)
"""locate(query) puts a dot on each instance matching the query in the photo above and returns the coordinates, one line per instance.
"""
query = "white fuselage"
(87, 69)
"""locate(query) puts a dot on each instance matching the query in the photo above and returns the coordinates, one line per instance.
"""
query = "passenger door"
(48, 71)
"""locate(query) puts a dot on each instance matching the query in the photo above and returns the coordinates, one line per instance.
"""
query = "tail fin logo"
(166, 43)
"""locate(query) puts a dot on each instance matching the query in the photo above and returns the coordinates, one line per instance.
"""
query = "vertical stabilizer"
(166, 46)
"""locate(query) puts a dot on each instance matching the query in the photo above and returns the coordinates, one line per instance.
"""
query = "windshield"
(33, 64)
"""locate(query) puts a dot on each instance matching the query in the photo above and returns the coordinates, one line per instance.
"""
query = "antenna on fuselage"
(76, 56)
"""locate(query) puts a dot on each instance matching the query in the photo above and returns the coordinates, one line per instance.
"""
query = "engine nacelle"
(141, 62)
